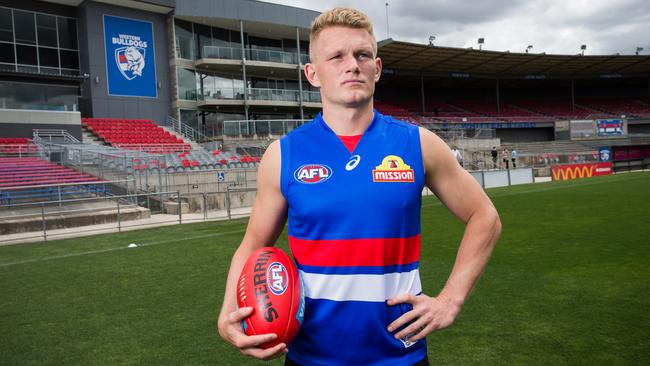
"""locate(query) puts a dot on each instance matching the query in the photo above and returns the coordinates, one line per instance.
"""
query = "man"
(513, 155)
(457, 155)
(494, 155)
(506, 158)
(350, 183)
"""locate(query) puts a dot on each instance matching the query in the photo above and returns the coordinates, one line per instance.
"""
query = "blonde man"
(350, 185)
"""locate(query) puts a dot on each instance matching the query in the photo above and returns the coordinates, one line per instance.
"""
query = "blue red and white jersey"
(354, 230)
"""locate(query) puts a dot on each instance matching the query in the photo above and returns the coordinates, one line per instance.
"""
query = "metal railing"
(121, 212)
(260, 128)
(235, 53)
(286, 95)
(184, 129)
(51, 135)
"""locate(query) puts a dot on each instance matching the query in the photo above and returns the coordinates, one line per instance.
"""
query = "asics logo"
(354, 161)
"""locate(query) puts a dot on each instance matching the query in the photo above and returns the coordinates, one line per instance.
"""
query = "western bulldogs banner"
(130, 61)
(605, 153)
(611, 127)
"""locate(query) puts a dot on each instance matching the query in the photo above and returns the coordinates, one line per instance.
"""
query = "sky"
(552, 26)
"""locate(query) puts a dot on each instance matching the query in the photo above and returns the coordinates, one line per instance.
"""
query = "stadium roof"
(418, 59)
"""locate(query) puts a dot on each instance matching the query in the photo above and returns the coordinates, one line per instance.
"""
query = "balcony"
(259, 129)
(232, 53)
(258, 96)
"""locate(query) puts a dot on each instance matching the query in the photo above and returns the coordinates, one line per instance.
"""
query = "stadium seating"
(618, 106)
(397, 112)
(16, 146)
(135, 134)
(30, 171)
(515, 111)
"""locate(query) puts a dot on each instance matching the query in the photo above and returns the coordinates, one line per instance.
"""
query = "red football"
(270, 284)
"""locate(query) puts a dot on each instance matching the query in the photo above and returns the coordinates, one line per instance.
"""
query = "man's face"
(344, 66)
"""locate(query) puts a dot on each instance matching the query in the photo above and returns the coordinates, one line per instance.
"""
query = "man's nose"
(351, 63)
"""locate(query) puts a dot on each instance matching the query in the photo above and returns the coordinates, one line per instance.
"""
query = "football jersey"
(354, 230)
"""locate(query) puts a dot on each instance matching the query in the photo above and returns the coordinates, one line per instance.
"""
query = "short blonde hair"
(344, 17)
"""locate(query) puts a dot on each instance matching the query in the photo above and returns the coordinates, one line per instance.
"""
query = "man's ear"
(310, 74)
(378, 67)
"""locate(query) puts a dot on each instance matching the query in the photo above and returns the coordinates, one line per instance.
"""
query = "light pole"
(638, 49)
(433, 38)
(480, 43)
(387, 32)
(530, 47)
(583, 48)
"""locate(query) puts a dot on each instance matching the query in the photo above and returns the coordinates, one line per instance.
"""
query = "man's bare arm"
(463, 196)
(265, 225)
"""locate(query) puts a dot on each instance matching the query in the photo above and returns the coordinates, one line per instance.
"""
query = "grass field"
(569, 284)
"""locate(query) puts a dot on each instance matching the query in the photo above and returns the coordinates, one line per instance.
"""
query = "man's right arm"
(264, 226)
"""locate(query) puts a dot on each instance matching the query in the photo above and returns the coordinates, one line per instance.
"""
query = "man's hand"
(231, 330)
(428, 314)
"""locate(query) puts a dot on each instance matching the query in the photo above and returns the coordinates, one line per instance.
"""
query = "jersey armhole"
(285, 174)
(419, 150)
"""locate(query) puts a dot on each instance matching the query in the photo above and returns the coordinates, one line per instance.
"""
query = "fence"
(47, 220)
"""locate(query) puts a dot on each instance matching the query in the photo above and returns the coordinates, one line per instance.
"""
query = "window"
(186, 84)
(184, 40)
(48, 57)
(26, 55)
(69, 59)
(38, 42)
(46, 26)
(25, 27)
(7, 53)
(67, 33)
(6, 25)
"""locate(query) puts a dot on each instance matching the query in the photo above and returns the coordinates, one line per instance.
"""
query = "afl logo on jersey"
(277, 278)
(312, 173)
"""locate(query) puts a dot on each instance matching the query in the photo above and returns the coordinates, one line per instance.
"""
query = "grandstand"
(218, 87)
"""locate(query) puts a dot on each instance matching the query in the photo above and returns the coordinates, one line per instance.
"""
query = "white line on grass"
(118, 248)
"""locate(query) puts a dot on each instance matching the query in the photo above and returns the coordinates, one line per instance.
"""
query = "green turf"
(568, 284)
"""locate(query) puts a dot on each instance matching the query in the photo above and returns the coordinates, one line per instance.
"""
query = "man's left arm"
(465, 198)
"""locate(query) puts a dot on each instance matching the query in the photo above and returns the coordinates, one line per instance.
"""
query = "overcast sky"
(551, 26)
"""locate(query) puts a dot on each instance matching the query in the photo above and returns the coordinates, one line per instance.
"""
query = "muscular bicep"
(270, 208)
(452, 184)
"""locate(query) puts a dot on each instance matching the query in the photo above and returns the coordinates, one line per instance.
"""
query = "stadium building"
(144, 97)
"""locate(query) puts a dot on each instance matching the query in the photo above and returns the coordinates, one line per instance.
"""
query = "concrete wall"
(95, 99)
(21, 123)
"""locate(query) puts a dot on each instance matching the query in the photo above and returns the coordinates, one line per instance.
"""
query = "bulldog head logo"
(130, 61)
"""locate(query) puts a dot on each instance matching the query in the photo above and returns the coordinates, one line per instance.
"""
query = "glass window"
(189, 117)
(38, 96)
(25, 27)
(48, 57)
(69, 59)
(7, 53)
(67, 33)
(46, 26)
(186, 84)
(265, 43)
(220, 37)
(6, 25)
(204, 36)
(26, 55)
(184, 40)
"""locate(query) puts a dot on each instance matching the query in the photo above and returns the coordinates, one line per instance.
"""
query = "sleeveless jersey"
(354, 230)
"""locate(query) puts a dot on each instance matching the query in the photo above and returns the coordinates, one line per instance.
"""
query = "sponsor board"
(577, 171)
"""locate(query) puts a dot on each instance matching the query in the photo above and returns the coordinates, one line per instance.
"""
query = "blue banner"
(605, 153)
(610, 127)
(130, 61)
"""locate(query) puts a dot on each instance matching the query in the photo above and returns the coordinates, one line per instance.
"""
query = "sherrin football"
(270, 284)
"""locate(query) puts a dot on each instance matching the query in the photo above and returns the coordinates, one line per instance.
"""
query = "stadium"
(143, 122)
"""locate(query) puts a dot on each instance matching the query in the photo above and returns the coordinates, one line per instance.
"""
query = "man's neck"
(348, 121)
